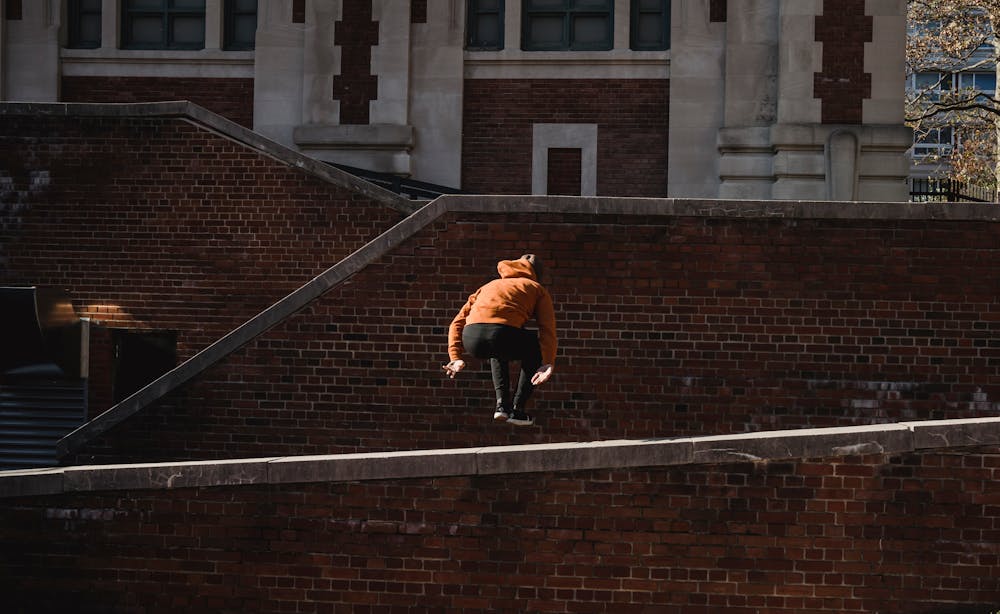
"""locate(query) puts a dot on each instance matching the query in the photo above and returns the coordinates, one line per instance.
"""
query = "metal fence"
(933, 189)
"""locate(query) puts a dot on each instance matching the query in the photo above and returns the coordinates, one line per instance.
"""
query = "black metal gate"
(932, 189)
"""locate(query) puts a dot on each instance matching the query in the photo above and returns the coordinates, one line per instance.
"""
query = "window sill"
(616, 63)
(157, 63)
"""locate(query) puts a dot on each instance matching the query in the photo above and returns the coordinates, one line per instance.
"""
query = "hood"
(516, 268)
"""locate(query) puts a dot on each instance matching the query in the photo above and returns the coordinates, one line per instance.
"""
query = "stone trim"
(550, 136)
(889, 439)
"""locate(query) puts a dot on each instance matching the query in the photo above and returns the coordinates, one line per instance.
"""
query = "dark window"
(567, 25)
(485, 27)
(139, 358)
(650, 29)
(14, 10)
(163, 24)
(84, 17)
(241, 25)
(565, 171)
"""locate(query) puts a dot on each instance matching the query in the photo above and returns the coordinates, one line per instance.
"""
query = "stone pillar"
(883, 162)
(839, 133)
(814, 101)
(356, 84)
(751, 98)
(697, 87)
(799, 144)
(436, 90)
(31, 52)
(278, 70)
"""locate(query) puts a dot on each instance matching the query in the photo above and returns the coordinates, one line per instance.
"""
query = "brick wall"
(231, 98)
(159, 224)
(670, 325)
(631, 117)
(910, 533)
(843, 85)
(564, 170)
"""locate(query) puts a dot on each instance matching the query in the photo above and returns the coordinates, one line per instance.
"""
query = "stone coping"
(429, 213)
(718, 208)
(218, 124)
(761, 447)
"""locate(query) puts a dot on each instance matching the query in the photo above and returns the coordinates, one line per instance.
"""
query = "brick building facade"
(773, 316)
(765, 99)
(306, 312)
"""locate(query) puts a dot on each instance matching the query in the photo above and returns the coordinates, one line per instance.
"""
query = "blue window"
(83, 24)
(567, 25)
(240, 25)
(163, 24)
(650, 27)
(485, 25)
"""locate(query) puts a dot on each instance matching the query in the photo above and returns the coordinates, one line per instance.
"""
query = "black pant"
(502, 344)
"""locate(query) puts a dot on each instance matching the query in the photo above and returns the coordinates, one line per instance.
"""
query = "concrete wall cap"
(884, 439)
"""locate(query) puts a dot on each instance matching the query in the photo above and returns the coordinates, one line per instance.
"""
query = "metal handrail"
(404, 186)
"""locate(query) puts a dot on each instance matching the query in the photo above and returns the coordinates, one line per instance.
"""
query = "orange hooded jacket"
(513, 299)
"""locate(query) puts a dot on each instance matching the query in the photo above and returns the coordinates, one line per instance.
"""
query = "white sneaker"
(519, 418)
(500, 415)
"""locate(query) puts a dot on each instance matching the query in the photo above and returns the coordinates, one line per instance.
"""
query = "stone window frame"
(559, 136)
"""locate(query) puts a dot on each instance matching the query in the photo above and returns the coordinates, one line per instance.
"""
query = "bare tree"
(948, 42)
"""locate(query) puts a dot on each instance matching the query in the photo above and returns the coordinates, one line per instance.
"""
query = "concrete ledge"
(165, 475)
(374, 466)
(589, 455)
(700, 207)
(955, 433)
(804, 443)
(888, 439)
(31, 482)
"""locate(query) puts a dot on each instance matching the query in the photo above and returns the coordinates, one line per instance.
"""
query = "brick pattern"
(632, 131)
(564, 171)
(843, 28)
(231, 98)
(158, 224)
(668, 327)
(911, 533)
(355, 87)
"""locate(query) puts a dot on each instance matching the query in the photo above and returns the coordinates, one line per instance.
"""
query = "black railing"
(931, 189)
(412, 189)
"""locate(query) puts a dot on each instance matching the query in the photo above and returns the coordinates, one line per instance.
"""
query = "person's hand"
(453, 367)
(542, 375)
